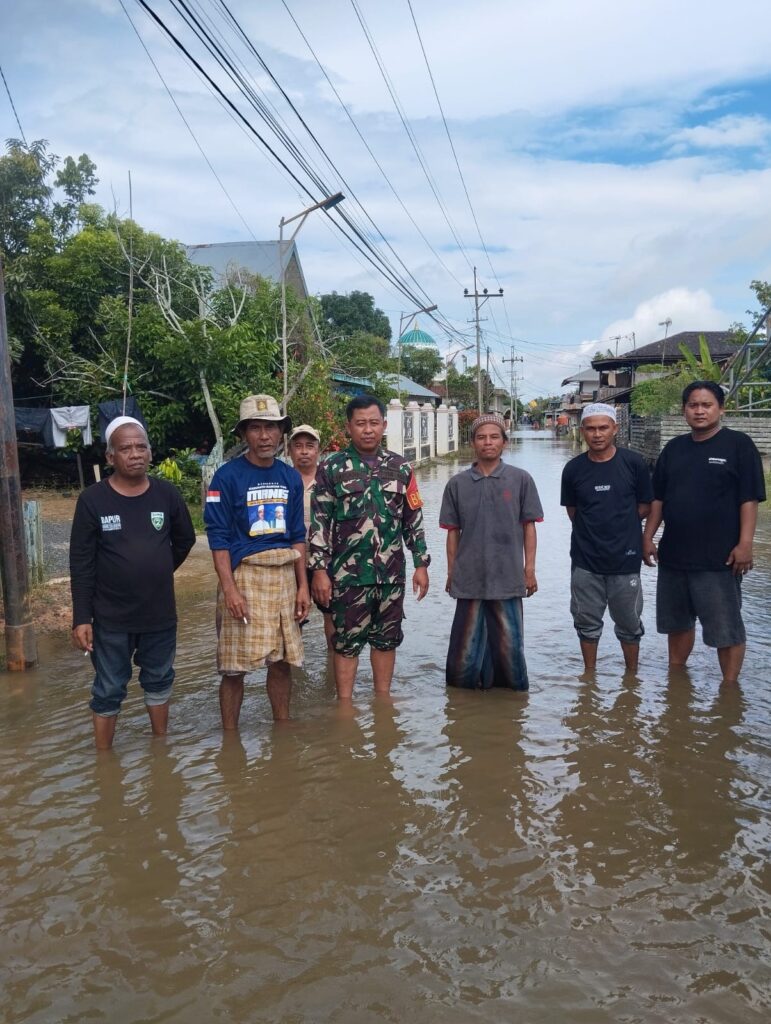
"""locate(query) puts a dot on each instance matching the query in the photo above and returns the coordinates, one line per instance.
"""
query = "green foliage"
(67, 268)
(182, 469)
(316, 403)
(662, 394)
(421, 364)
(344, 315)
(362, 355)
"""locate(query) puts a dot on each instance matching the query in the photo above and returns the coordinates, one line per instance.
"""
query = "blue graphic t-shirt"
(252, 508)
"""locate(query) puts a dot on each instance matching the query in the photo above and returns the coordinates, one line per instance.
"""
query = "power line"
(353, 234)
(408, 128)
(187, 124)
(455, 158)
(349, 190)
(367, 146)
(13, 106)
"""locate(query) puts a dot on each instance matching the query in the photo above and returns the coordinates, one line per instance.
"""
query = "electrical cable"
(187, 123)
(368, 251)
(367, 146)
(408, 129)
(13, 107)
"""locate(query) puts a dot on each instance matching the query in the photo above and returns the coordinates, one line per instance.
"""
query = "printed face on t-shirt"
(266, 507)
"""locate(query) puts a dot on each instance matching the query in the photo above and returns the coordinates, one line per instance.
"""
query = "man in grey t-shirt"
(489, 512)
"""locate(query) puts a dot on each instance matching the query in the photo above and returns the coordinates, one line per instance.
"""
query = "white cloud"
(584, 244)
(727, 132)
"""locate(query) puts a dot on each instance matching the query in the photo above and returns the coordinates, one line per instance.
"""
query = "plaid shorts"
(367, 615)
(268, 584)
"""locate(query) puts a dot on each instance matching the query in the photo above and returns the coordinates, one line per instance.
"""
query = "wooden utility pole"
(20, 647)
(476, 295)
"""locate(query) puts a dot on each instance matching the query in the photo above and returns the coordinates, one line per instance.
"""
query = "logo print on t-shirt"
(110, 523)
(157, 518)
(266, 506)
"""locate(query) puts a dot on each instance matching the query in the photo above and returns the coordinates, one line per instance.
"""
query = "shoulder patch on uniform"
(414, 499)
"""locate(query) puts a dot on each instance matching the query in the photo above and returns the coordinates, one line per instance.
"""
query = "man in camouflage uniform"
(366, 502)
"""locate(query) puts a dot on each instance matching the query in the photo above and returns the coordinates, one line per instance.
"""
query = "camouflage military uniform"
(360, 514)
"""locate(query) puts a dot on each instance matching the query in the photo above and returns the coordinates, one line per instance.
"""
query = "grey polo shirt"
(489, 511)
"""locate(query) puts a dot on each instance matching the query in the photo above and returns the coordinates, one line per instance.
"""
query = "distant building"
(587, 384)
(619, 374)
(414, 392)
(261, 258)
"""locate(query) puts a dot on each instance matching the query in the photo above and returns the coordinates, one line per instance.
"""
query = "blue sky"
(617, 155)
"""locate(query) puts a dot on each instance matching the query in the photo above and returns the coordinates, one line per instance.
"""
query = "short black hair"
(363, 402)
(705, 385)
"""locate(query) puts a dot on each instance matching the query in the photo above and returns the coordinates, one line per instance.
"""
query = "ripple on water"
(596, 850)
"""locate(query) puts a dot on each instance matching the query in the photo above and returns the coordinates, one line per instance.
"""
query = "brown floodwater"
(597, 851)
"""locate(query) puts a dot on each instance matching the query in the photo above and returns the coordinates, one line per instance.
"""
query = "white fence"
(421, 432)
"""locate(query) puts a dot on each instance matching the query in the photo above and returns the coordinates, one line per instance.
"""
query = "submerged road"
(595, 851)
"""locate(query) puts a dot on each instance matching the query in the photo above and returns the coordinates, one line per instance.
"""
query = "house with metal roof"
(262, 258)
(415, 392)
(619, 374)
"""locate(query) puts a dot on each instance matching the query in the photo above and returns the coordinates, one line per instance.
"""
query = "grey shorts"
(714, 597)
(591, 594)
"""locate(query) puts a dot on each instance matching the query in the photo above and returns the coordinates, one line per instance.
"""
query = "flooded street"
(596, 851)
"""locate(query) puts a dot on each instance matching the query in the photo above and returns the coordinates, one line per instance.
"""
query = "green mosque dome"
(417, 337)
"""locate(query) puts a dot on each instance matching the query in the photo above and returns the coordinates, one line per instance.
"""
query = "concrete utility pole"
(20, 647)
(476, 295)
(513, 385)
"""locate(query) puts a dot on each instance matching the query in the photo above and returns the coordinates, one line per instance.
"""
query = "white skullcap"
(598, 409)
(121, 421)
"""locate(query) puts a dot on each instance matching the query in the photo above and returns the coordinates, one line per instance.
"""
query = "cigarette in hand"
(246, 621)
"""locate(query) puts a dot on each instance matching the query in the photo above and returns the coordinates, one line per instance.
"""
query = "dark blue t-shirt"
(252, 508)
(607, 535)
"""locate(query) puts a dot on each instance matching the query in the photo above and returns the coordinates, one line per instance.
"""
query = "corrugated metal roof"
(261, 258)
(410, 386)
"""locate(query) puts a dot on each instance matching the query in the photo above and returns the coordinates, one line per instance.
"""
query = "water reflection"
(595, 850)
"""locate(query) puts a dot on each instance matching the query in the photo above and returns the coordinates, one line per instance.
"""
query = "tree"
(24, 192)
(663, 392)
(362, 355)
(421, 364)
(344, 315)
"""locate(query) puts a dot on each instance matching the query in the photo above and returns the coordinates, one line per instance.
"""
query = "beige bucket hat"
(261, 407)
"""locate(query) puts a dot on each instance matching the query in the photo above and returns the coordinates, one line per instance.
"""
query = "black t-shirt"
(123, 553)
(607, 535)
(702, 484)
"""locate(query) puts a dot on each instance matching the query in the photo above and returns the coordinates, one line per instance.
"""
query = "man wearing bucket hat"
(130, 533)
(606, 491)
(263, 588)
(489, 512)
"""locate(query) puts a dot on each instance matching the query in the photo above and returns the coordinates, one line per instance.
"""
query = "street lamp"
(448, 361)
(324, 204)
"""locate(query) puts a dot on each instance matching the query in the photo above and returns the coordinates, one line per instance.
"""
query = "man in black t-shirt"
(606, 492)
(130, 533)
(706, 486)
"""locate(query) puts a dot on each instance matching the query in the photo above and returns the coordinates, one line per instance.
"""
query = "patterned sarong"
(268, 584)
(487, 645)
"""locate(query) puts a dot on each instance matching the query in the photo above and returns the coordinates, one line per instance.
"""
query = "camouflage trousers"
(367, 615)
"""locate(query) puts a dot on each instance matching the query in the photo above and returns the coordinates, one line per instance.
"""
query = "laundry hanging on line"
(71, 417)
